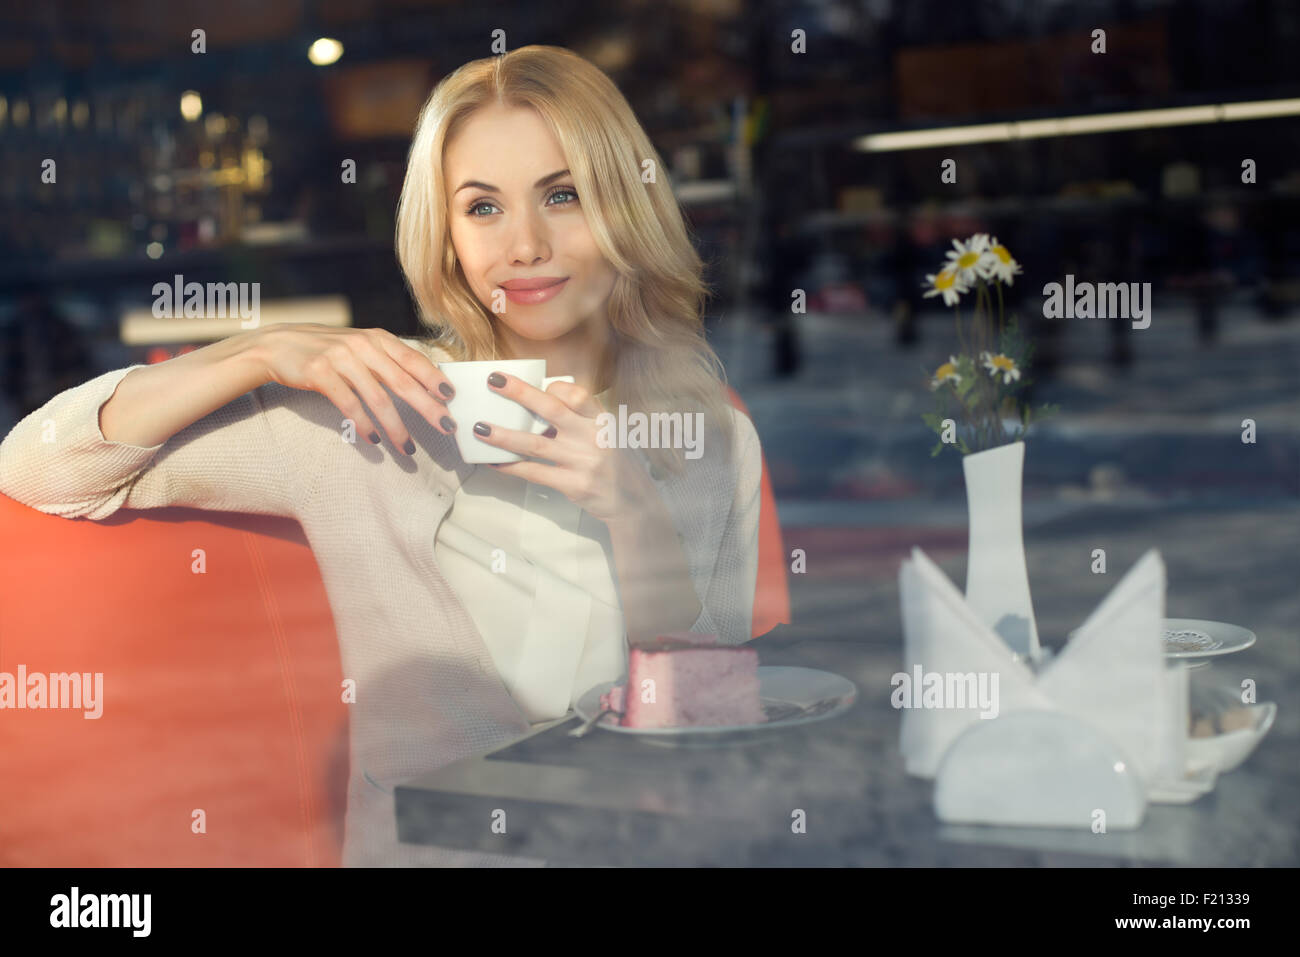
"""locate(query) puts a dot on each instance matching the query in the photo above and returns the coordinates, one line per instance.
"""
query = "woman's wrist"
(154, 402)
(248, 349)
(641, 503)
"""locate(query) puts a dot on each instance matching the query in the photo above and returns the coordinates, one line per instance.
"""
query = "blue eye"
(555, 192)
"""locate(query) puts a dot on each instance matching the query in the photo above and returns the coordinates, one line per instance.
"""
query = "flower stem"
(984, 415)
(1000, 312)
(983, 306)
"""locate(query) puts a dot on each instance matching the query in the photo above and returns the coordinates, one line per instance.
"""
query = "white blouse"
(536, 573)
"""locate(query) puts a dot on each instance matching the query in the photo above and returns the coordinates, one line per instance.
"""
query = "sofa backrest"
(221, 693)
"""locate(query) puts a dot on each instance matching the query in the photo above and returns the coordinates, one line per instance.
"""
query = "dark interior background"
(761, 144)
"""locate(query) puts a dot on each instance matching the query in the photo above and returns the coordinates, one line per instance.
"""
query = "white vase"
(997, 580)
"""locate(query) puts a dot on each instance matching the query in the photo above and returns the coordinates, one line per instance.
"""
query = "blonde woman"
(471, 602)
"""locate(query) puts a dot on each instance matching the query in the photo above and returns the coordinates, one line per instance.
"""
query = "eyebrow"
(492, 189)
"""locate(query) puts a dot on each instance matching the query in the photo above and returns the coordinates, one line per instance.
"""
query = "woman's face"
(519, 222)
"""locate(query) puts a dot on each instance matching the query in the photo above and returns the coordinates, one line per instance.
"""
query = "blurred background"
(227, 166)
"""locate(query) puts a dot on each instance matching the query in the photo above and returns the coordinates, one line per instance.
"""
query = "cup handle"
(540, 425)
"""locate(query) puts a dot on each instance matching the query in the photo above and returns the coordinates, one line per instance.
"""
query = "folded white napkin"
(1111, 674)
(943, 635)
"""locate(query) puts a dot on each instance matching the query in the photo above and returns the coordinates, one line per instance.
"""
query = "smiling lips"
(532, 291)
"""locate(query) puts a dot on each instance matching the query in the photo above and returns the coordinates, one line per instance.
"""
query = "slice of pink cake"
(685, 679)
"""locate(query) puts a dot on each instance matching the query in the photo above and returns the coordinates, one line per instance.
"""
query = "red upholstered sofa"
(223, 739)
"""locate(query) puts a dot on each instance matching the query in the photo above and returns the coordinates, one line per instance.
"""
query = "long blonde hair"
(661, 358)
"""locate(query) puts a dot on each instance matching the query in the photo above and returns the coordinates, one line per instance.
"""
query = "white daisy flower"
(1000, 364)
(946, 372)
(971, 259)
(1004, 266)
(948, 283)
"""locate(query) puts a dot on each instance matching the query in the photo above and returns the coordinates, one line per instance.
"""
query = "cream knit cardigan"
(427, 692)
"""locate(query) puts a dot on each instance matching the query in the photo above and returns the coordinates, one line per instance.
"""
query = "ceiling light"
(325, 51)
(1075, 125)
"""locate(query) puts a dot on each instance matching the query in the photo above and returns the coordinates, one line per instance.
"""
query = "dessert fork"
(589, 723)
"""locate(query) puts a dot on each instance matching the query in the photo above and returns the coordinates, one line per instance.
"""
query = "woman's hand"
(608, 483)
(347, 365)
(654, 579)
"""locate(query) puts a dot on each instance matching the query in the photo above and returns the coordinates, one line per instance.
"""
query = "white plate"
(1204, 639)
(789, 696)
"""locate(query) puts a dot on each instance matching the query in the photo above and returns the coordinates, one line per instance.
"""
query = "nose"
(528, 242)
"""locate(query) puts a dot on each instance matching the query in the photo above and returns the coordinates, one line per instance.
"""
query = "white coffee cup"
(476, 401)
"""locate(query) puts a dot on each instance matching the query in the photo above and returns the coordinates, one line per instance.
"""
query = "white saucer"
(1204, 639)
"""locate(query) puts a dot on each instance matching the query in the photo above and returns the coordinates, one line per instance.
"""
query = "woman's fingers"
(352, 366)
(417, 364)
(355, 373)
(549, 406)
(333, 386)
(576, 398)
(408, 385)
(569, 457)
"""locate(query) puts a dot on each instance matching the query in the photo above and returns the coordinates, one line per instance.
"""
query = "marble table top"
(831, 793)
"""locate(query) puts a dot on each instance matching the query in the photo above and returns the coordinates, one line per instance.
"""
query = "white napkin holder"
(1037, 768)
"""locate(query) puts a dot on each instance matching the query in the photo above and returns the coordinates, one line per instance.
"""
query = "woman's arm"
(730, 584)
(233, 426)
(657, 591)
(154, 402)
(654, 579)
(60, 460)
